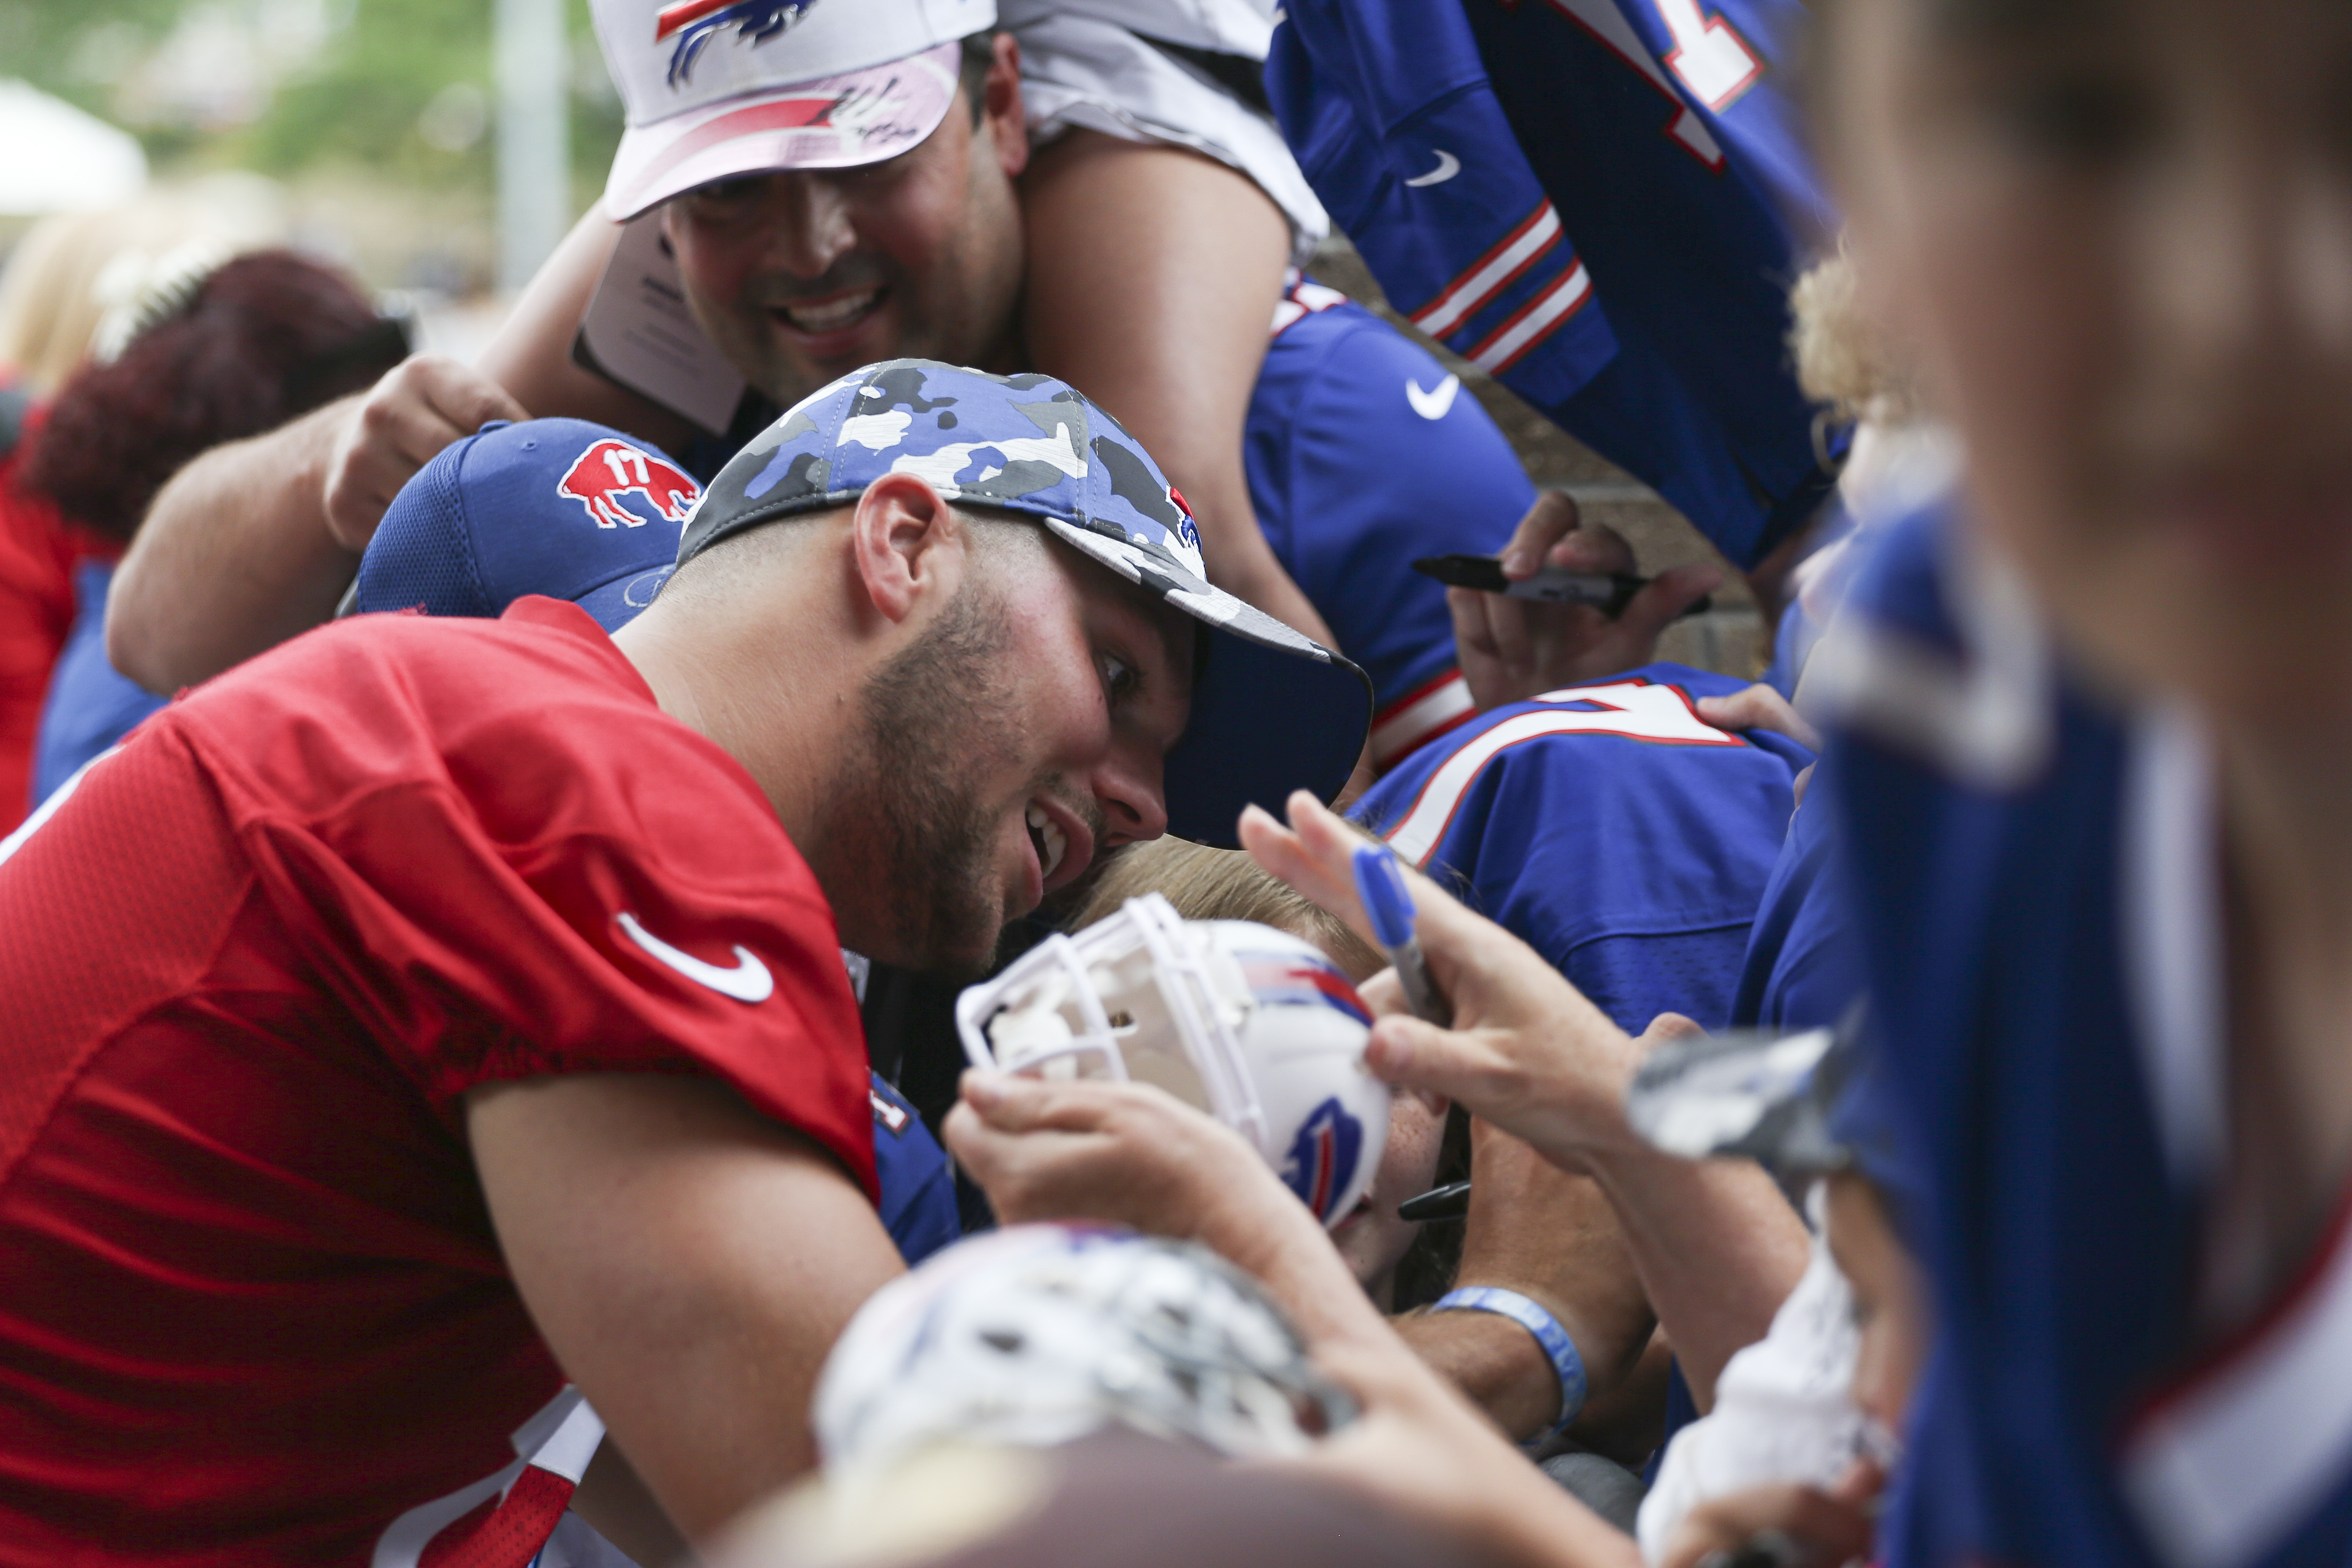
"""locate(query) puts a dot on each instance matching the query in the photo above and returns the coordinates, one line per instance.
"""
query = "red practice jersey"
(251, 1307)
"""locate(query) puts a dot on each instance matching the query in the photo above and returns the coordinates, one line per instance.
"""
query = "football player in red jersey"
(434, 1012)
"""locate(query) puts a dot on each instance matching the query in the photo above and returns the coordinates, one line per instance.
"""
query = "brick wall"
(1731, 638)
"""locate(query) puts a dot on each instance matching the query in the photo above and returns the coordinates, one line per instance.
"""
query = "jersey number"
(1709, 56)
(1631, 709)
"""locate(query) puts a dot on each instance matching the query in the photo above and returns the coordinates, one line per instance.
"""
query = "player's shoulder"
(490, 708)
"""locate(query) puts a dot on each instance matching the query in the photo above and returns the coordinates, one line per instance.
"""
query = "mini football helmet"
(1247, 1023)
(1038, 1334)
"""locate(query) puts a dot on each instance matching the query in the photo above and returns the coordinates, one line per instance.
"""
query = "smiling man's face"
(1019, 739)
(802, 277)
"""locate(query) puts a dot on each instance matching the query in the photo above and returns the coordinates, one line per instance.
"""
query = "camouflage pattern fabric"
(1029, 444)
(1024, 443)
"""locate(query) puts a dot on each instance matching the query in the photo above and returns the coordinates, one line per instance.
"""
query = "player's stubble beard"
(904, 820)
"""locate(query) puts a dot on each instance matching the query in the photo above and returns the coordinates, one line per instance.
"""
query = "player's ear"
(1003, 118)
(908, 543)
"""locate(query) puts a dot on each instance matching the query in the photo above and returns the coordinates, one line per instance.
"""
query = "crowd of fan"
(1893, 1109)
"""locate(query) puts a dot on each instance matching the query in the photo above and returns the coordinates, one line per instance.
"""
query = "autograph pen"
(1388, 904)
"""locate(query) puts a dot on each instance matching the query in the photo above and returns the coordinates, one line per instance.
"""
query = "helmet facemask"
(1245, 1022)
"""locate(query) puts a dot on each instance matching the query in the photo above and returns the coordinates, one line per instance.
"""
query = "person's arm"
(1716, 1245)
(1153, 276)
(1549, 1235)
(688, 1261)
(256, 539)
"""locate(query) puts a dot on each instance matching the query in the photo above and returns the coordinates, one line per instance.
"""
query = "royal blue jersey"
(1611, 828)
(2032, 877)
(1802, 968)
(1363, 454)
(1600, 202)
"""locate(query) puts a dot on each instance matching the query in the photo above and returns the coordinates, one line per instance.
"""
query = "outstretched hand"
(1513, 649)
(1526, 1052)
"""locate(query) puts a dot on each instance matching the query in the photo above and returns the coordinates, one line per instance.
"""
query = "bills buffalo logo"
(1296, 980)
(694, 23)
(1322, 1158)
(1186, 531)
(607, 475)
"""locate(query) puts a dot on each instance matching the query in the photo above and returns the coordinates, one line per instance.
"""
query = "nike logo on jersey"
(1435, 403)
(1448, 165)
(749, 981)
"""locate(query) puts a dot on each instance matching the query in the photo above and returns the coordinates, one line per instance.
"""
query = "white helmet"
(1038, 1334)
(1243, 1021)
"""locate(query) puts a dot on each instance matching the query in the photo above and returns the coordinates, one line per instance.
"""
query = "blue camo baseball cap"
(1274, 711)
(559, 507)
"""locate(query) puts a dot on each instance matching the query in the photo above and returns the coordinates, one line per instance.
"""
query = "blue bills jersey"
(1363, 453)
(2042, 943)
(1804, 967)
(1600, 202)
(1611, 828)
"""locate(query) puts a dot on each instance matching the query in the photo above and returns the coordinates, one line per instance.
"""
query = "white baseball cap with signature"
(717, 88)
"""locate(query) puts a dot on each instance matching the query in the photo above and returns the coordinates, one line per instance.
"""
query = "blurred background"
(372, 133)
(439, 149)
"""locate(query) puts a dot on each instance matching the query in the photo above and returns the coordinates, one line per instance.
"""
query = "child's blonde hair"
(1842, 357)
(1206, 884)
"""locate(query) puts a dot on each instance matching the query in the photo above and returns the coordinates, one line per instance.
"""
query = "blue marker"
(1389, 903)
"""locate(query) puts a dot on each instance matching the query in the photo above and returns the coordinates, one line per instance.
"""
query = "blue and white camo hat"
(1274, 711)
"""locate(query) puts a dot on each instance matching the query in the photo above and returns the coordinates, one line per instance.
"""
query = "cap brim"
(834, 123)
(1274, 711)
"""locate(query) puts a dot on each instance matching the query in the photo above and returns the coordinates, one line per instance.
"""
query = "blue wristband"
(1550, 1336)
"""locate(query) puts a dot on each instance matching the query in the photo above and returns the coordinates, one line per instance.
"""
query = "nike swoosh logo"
(1448, 165)
(749, 981)
(1433, 403)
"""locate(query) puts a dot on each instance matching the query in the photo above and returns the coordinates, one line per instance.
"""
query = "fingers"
(1383, 994)
(464, 397)
(1660, 605)
(402, 423)
(1551, 519)
(1323, 879)
(1592, 547)
(1412, 1053)
(1760, 708)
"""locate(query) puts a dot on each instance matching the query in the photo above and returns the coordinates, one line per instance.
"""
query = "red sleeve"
(507, 862)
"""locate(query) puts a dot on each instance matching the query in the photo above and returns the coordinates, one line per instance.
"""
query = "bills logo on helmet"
(1322, 1158)
(607, 475)
(697, 22)
(1295, 979)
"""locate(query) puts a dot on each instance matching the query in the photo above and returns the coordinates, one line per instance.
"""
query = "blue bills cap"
(559, 507)
(1274, 711)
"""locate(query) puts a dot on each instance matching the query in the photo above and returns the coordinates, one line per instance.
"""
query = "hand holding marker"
(1388, 903)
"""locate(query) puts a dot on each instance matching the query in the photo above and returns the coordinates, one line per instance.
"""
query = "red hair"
(268, 335)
